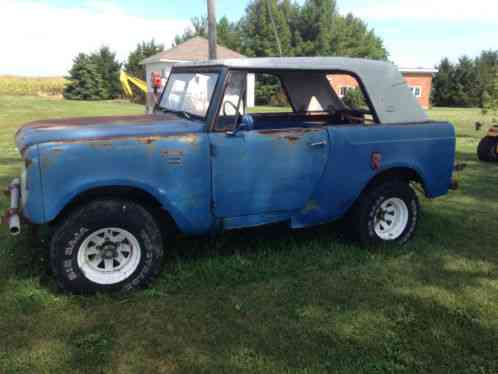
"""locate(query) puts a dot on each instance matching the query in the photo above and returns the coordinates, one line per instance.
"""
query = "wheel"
(487, 149)
(385, 213)
(106, 245)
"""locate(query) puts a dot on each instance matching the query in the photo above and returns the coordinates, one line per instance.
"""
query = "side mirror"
(246, 124)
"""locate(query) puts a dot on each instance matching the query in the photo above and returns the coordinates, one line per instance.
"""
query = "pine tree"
(490, 98)
(465, 90)
(85, 82)
(353, 38)
(259, 34)
(317, 26)
(143, 50)
(442, 84)
(108, 69)
(487, 66)
(228, 34)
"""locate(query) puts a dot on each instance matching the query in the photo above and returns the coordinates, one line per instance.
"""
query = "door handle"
(321, 143)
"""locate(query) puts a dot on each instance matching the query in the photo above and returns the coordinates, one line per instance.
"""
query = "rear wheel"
(106, 245)
(487, 149)
(385, 213)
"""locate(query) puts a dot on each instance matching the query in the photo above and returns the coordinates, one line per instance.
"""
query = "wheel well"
(403, 173)
(129, 193)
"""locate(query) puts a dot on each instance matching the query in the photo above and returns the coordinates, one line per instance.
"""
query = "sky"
(41, 38)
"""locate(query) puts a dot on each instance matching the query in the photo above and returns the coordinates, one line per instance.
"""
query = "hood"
(101, 128)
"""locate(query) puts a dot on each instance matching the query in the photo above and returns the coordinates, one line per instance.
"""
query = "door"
(263, 171)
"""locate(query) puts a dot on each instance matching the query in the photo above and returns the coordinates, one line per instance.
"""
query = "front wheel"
(106, 245)
(386, 213)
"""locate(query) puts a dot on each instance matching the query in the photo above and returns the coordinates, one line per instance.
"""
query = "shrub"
(354, 99)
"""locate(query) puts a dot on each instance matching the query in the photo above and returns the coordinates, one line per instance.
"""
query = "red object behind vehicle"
(156, 80)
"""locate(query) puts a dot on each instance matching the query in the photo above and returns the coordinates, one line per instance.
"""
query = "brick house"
(418, 79)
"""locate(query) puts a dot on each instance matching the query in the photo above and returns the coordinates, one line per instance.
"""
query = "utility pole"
(212, 30)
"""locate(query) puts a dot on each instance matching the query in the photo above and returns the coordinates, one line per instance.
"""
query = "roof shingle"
(195, 49)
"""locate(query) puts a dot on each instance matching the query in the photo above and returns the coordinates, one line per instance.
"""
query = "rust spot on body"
(184, 138)
(66, 123)
(290, 135)
(148, 140)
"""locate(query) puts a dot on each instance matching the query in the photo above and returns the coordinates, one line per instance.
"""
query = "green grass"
(269, 300)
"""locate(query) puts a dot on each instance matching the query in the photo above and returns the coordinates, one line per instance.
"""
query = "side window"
(348, 90)
(233, 104)
(269, 94)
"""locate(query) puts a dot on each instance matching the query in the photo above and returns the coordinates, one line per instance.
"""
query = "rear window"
(349, 91)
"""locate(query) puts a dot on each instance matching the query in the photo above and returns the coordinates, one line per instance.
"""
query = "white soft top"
(392, 99)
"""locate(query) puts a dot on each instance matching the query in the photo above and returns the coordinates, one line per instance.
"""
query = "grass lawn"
(269, 300)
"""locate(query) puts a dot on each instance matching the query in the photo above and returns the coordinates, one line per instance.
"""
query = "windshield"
(189, 93)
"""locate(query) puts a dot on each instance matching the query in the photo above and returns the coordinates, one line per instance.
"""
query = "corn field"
(31, 86)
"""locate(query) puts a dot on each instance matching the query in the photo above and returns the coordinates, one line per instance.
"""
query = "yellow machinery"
(125, 79)
(488, 146)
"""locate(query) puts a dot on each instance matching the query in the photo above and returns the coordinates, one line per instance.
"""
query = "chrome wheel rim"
(391, 219)
(109, 255)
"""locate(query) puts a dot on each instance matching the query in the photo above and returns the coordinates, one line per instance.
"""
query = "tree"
(487, 69)
(108, 69)
(490, 97)
(256, 26)
(469, 82)
(200, 28)
(228, 34)
(143, 50)
(85, 83)
(317, 26)
(465, 88)
(353, 38)
(442, 85)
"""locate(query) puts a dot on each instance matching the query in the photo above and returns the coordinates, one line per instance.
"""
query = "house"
(420, 82)
(194, 49)
(418, 79)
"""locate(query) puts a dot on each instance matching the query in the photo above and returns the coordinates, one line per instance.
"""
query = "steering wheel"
(230, 104)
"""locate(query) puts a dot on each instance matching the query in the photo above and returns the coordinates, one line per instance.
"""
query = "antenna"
(274, 27)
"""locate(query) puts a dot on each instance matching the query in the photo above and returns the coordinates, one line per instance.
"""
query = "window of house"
(344, 90)
(416, 91)
(269, 95)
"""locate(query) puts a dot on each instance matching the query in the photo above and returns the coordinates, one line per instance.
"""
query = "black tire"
(75, 230)
(364, 213)
(486, 150)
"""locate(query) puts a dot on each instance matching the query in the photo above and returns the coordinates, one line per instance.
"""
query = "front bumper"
(11, 216)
